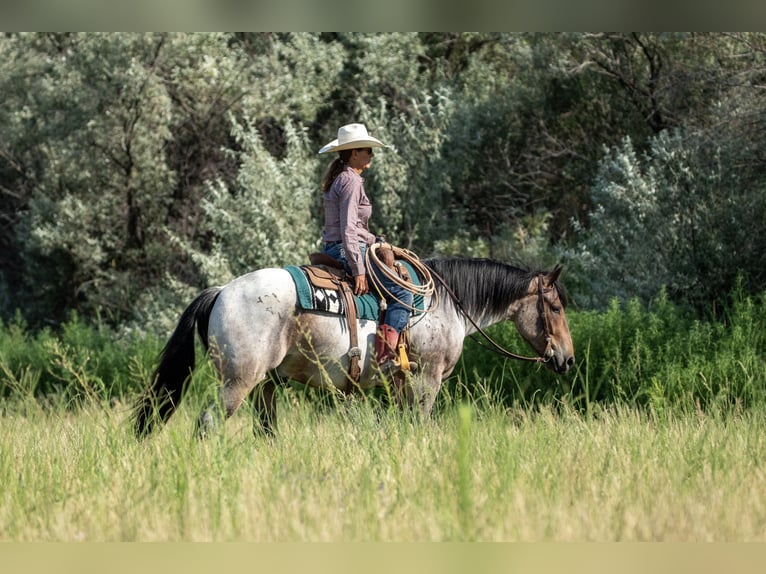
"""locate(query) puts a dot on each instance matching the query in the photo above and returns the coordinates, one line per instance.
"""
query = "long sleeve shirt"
(347, 211)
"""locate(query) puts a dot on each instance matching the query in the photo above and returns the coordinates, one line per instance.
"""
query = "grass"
(657, 434)
(658, 358)
(359, 472)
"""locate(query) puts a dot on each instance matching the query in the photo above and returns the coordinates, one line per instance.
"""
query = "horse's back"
(256, 326)
(253, 311)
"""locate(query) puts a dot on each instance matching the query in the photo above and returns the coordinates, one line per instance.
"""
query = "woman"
(346, 235)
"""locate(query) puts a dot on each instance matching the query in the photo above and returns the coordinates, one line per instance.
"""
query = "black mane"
(485, 287)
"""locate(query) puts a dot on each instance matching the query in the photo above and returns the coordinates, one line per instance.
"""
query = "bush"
(678, 217)
(78, 361)
(658, 356)
(655, 356)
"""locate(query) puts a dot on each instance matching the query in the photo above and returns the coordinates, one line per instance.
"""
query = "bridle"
(547, 354)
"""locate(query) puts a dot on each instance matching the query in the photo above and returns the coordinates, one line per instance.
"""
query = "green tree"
(135, 168)
(269, 216)
(677, 217)
(107, 114)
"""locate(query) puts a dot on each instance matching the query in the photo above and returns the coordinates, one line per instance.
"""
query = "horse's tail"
(170, 379)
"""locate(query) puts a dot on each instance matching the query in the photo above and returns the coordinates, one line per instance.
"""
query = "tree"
(103, 122)
(268, 217)
(679, 217)
(135, 168)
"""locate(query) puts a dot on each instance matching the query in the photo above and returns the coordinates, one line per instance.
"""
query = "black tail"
(176, 365)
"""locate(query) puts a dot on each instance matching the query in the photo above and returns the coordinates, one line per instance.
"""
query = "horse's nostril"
(570, 362)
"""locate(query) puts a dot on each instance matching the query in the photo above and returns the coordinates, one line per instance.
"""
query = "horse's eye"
(555, 309)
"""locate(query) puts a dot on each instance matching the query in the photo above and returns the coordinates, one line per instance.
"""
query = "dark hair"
(484, 286)
(335, 168)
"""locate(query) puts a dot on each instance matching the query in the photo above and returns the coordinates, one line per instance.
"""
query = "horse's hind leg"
(265, 408)
(210, 419)
(230, 396)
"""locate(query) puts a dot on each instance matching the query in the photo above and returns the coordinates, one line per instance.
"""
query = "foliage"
(408, 182)
(102, 187)
(265, 218)
(77, 363)
(654, 357)
(137, 168)
(679, 217)
(659, 357)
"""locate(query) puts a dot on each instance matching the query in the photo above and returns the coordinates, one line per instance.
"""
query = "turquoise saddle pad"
(368, 306)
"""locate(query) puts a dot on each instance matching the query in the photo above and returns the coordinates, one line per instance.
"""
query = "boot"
(386, 339)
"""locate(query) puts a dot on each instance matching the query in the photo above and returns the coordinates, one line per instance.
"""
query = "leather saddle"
(326, 272)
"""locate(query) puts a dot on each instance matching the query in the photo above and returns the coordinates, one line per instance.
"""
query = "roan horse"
(252, 326)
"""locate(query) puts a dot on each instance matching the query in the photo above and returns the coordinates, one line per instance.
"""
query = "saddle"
(327, 273)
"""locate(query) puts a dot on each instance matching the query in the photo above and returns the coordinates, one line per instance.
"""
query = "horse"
(253, 329)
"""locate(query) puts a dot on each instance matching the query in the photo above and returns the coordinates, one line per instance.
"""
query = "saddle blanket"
(311, 298)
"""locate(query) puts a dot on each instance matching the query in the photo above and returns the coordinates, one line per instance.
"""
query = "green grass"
(76, 361)
(357, 471)
(657, 358)
(657, 434)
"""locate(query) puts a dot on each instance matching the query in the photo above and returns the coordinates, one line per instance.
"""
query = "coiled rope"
(425, 289)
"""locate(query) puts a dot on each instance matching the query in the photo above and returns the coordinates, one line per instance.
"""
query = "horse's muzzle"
(560, 364)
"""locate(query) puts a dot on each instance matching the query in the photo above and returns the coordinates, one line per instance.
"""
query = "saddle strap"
(354, 353)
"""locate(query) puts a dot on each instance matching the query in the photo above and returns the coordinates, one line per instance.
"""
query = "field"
(658, 435)
(353, 470)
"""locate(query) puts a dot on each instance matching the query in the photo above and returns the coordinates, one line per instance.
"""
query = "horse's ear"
(553, 276)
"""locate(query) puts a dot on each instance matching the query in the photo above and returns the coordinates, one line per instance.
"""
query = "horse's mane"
(485, 286)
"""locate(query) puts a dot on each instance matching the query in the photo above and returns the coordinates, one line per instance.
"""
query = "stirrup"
(390, 367)
(393, 367)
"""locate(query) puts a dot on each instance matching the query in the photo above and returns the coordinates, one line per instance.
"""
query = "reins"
(493, 345)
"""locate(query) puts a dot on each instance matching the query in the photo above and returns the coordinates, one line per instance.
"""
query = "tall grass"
(360, 472)
(657, 435)
(659, 358)
(78, 360)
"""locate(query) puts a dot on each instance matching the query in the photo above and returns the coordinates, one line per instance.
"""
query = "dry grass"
(360, 473)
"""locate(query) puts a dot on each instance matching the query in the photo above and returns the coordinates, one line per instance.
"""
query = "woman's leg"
(398, 299)
(337, 252)
(398, 309)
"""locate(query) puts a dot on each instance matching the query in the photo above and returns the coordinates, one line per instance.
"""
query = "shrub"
(78, 361)
(678, 217)
(655, 356)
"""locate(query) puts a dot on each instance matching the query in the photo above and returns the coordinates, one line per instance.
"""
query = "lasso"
(427, 283)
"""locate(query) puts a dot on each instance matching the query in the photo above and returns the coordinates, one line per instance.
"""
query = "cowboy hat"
(352, 136)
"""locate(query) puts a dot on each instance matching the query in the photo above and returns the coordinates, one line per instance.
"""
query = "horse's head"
(539, 317)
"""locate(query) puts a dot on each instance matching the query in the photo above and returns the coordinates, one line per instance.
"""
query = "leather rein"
(493, 345)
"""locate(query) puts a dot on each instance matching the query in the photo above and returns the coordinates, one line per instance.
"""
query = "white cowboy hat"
(352, 136)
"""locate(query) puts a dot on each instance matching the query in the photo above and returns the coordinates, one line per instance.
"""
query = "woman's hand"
(360, 285)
